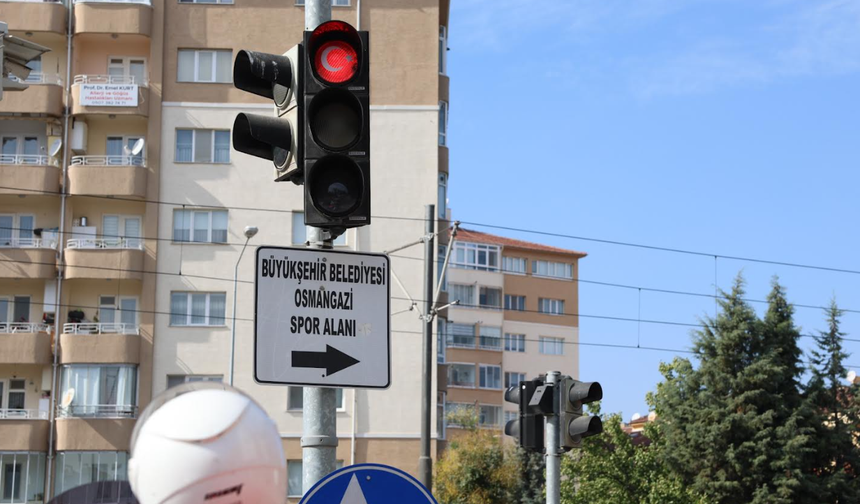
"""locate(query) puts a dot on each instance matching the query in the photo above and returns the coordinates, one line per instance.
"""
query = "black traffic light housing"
(534, 399)
(278, 139)
(336, 126)
(574, 425)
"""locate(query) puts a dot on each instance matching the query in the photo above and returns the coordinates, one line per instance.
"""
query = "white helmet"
(206, 443)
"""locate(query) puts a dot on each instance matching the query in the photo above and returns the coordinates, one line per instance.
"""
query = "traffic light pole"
(319, 405)
(425, 463)
(553, 461)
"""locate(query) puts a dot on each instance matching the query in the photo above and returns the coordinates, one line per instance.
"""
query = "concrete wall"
(110, 434)
(100, 348)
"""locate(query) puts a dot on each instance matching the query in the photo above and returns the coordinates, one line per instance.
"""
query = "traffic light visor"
(336, 185)
(585, 392)
(334, 50)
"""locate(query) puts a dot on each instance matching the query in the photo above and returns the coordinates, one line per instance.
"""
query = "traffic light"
(278, 139)
(534, 400)
(336, 138)
(573, 424)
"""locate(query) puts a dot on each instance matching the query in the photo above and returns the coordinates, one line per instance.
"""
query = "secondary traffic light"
(573, 424)
(534, 400)
(278, 139)
(336, 137)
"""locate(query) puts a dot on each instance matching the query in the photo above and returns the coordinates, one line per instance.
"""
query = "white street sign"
(322, 318)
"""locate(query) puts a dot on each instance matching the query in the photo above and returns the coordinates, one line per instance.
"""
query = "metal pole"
(233, 325)
(553, 461)
(317, 12)
(319, 408)
(425, 463)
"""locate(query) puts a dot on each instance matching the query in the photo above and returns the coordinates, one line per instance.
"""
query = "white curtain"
(216, 308)
(198, 308)
(178, 308)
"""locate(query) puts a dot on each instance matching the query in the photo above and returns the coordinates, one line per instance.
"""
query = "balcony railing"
(105, 243)
(34, 1)
(22, 327)
(142, 2)
(22, 414)
(109, 79)
(27, 243)
(39, 77)
(108, 160)
(27, 159)
(97, 411)
(101, 328)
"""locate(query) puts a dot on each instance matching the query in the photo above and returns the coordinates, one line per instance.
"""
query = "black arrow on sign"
(332, 360)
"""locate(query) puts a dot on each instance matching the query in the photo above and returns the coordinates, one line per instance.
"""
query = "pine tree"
(532, 481)
(727, 432)
(837, 459)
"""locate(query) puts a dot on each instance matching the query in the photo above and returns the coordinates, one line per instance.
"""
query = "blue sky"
(724, 126)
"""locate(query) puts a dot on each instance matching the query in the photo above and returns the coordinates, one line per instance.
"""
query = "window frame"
(481, 338)
(126, 67)
(443, 50)
(196, 73)
(442, 196)
(452, 295)
(483, 376)
(188, 310)
(451, 335)
(215, 2)
(443, 123)
(476, 248)
(515, 260)
(17, 229)
(209, 229)
(521, 377)
(194, 132)
(519, 305)
(498, 414)
(555, 306)
(486, 290)
(515, 342)
(219, 378)
(554, 341)
(551, 267)
(452, 365)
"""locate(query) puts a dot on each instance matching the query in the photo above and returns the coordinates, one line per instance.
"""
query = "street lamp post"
(250, 231)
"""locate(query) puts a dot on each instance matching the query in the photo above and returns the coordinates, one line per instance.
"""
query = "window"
(75, 468)
(202, 146)
(476, 256)
(517, 303)
(197, 308)
(121, 230)
(174, 380)
(294, 477)
(511, 415)
(204, 65)
(461, 375)
(490, 298)
(14, 397)
(295, 398)
(551, 346)
(99, 390)
(118, 315)
(118, 151)
(515, 342)
(463, 293)
(300, 231)
(552, 269)
(551, 306)
(491, 377)
(200, 226)
(207, 1)
(441, 251)
(443, 49)
(21, 145)
(334, 3)
(127, 70)
(514, 379)
(443, 123)
(441, 338)
(489, 416)
(491, 337)
(442, 196)
(454, 411)
(16, 230)
(514, 265)
(22, 476)
(461, 335)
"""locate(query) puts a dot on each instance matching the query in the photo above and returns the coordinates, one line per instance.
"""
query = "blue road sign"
(368, 484)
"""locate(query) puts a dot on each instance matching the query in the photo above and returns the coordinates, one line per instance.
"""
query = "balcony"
(120, 17)
(23, 430)
(35, 15)
(104, 259)
(100, 343)
(43, 97)
(106, 428)
(28, 258)
(109, 94)
(29, 174)
(107, 176)
(24, 343)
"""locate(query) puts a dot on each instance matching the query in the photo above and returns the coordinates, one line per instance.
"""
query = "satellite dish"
(652, 416)
(852, 375)
(636, 416)
(137, 148)
(55, 147)
(68, 397)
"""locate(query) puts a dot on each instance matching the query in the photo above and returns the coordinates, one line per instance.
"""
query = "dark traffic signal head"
(336, 141)
(278, 139)
(573, 424)
(533, 399)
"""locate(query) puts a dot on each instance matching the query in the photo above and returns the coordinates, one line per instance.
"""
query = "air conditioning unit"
(78, 140)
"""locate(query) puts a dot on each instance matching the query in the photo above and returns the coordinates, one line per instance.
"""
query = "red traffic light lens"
(336, 61)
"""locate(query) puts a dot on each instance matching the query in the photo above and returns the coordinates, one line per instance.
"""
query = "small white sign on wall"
(109, 95)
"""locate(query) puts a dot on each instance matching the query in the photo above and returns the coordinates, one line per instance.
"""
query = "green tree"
(609, 469)
(531, 488)
(728, 431)
(837, 458)
(478, 467)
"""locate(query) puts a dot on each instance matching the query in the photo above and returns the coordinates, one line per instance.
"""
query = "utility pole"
(319, 405)
(425, 463)
(553, 461)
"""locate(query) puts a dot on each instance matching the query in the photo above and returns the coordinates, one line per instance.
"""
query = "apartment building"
(517, 319)
(120, 192)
